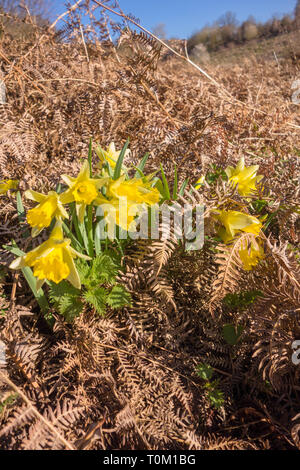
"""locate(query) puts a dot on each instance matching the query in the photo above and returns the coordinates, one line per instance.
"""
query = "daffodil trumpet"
(126, 199)
(83, 190)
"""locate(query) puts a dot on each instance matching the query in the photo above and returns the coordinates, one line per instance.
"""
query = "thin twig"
(84, 44)
(72, 8)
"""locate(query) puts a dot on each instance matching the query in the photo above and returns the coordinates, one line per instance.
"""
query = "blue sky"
(183, 17)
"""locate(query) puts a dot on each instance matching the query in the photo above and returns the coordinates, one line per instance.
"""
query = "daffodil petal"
(35, 196)
(84, 172)
(39, 283)
(18, 263)
(241, 165)
(80, 210)
(66, 197)
(229, 171)
(69, 180)
(73, 277)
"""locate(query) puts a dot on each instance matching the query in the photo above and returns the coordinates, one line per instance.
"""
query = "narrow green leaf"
(119, 163)
(175, 188)
(59, 188)
(77, 245)
(74, 221)
(84, 235)
(141, 166)
(182, 187)
(20, 207)
(90, 231)
(205, 371)
(166, 193)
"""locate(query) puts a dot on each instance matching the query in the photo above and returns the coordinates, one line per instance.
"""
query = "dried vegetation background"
(128, 381)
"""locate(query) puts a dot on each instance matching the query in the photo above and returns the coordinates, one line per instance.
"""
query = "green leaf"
(158, 185)
(97, 298)
(241, 300)
(166, 191)
(232, 333)
(76, 244)
(215, 395)
(75, 222)
(104, 269)
(59, 188)
(119, 163)
(205, 371)
(66, 298)
(84, 236)
(182, 187)
(141, 166)
(20, 207)
(83, 269)
(8, 401)
(175, 187)
(119, 297)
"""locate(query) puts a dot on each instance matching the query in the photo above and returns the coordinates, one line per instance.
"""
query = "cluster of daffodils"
(121, 200)
(232, 223)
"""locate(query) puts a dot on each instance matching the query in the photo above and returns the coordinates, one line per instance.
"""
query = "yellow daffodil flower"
(135, 190)
(83, 190)
(119, 212)
(234, 222)
(52, 260)
(6, 185)
(49, 206)
(251, 257)
(109, 155)
(127, 199)
(244, 178)
(199, 182)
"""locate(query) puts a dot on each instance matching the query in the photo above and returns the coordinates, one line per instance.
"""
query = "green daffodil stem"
(74, 220)
(90, 231)
(84, 235)
(77, 245)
